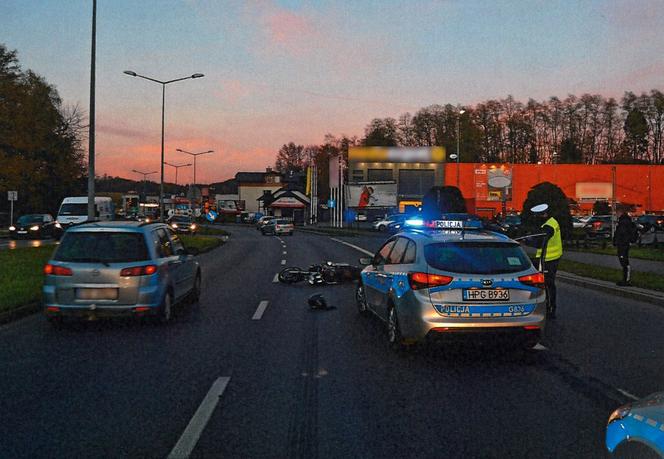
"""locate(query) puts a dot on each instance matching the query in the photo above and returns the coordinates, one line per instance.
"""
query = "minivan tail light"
(146, 270)
(55, 270)
(534, 280)
(424, 280)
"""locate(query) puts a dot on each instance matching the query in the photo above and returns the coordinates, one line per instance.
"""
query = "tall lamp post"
(177, 167)
(195, 155)
(458, 155)
(144, 174)
(91, 128)
(163, 104)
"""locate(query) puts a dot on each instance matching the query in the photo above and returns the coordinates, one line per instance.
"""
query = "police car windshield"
(477, 257)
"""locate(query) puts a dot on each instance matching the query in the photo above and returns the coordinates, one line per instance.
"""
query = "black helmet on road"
(317, 301)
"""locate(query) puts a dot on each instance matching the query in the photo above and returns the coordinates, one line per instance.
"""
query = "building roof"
(253, 177)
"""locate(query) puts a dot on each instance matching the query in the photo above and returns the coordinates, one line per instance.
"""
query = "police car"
(449, 277)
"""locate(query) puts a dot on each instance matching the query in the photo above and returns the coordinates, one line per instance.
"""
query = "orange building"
(638, 185)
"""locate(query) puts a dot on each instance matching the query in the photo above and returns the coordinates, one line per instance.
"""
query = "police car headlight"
(12, 228)
(34, 228)
(619, 413)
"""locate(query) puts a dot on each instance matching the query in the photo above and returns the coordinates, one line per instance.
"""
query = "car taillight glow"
(55, 270)
(139, 271)
(425, 280)
(534, 280)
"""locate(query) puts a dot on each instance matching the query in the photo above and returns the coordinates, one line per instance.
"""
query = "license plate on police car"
(486, 294)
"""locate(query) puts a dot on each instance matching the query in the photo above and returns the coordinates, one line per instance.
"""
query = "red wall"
(642, 185)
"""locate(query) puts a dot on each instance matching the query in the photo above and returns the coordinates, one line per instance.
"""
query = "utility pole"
(91, 133)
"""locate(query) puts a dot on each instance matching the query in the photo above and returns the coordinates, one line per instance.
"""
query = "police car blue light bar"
(417, 222)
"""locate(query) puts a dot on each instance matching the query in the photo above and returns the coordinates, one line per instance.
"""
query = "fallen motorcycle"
(328, 273)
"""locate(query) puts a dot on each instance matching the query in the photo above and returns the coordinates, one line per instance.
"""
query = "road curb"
(635, 293)
(19, 313)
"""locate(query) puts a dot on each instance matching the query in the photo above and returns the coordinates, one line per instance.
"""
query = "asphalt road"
(299, 383)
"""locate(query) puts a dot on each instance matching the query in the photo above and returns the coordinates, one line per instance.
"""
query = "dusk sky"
(281, 71)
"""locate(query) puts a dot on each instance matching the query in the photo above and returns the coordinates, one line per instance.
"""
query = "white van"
(74, 210)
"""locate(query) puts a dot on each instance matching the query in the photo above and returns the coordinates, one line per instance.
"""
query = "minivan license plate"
(486, 294)
(97, 293)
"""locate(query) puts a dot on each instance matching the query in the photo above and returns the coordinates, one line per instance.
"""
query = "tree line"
(589, 129)
(40, 140)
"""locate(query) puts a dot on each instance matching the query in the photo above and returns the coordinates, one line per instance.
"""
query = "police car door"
(388, 277)
(370, 276)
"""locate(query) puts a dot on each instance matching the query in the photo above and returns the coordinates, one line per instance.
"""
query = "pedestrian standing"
(549, 254)
(625, 234)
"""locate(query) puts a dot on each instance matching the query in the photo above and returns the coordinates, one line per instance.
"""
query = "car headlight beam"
(12, 228)
(34, 228)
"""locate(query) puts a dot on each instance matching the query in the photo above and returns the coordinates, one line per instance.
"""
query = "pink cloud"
(290, 31)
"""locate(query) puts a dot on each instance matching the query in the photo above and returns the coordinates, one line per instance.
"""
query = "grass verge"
(207, 231)
(21, 276)
(642, 253)
(639, 279)
(202, 243)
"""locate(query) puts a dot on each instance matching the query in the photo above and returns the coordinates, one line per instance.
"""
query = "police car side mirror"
(365, 261)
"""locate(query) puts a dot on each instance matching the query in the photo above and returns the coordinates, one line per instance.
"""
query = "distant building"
(287, 203)
(252, 185)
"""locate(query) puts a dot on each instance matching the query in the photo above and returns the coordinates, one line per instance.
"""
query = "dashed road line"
(262, 306)
(365, 251)
(284, 252)
(283, 262)
(540, 347)
(275, 279)
(627, 394)
(192, 433)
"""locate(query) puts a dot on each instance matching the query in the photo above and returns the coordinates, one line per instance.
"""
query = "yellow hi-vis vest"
(554, 247)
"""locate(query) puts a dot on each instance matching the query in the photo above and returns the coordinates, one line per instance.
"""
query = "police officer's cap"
(539, 208)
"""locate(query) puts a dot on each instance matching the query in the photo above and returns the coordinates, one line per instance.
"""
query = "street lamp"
(195, 155)
(458, 155)
(163, 103)
(144, 174)
(177, 166)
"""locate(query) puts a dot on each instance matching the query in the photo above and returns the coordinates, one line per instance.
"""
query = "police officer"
(626, 233)
(553, 250)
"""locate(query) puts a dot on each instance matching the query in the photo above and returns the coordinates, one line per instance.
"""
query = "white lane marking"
(275, 279)
(260, 310)
(283, 262)
(284, 252)
(365, 251)
(540, 347)
(627, 394)
(192, 433)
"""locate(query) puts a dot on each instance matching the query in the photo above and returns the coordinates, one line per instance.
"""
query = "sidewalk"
(636, 293)
(611, 261)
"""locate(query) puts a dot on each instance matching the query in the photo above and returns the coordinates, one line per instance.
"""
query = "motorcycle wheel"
(290, 275)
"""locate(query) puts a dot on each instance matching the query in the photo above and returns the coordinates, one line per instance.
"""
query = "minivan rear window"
(103, 247)
(477, 257)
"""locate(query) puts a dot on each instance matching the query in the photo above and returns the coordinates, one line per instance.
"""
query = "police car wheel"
(394, 337)
(361, 300)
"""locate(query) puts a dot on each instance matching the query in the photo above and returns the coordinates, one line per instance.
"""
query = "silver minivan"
(119, 268)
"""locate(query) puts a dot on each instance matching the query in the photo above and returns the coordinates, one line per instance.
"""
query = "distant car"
(278, 226)
(263, 221)
(598, 227)
(383, 223)
(35, 226)
(637, 429)
(119, 268)
(183, 224)
(645, 222)
(578, 222)
(454, 279)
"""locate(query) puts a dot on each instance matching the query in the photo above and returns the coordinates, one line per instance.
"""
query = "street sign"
(331, 203)
(211, 216)
(12, 195)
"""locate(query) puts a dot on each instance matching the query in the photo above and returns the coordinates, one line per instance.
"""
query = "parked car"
(182, 224)
(263, 221)
(35, 226)
(119, 269)
(578, 222)
(598, 228)
(650, 229)
(382, 224)
(278, 226)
